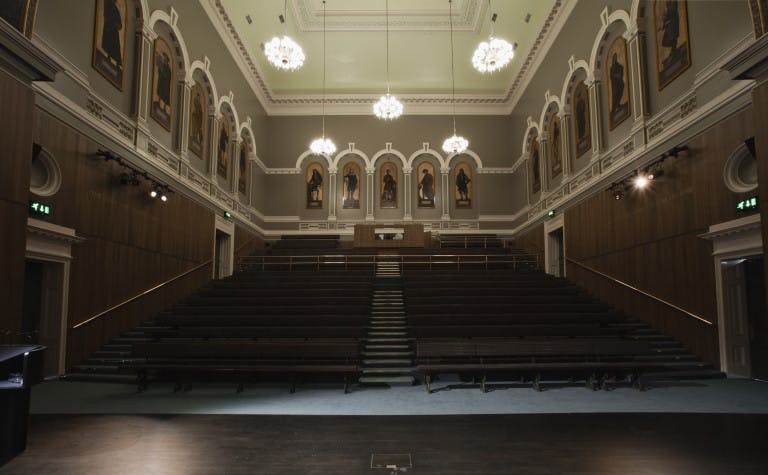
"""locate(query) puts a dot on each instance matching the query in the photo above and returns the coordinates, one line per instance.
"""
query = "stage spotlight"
(124, 178)
(641, 181)
(153, 193)
(135, 179)
(618, 194)
(164, 198)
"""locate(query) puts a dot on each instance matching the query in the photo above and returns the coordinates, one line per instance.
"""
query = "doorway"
(757, 316)
(41, 312)
(223, 248)
(554, 247)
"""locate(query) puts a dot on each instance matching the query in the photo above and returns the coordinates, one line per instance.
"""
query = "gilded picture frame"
(161, 107)
(242, 162)
(673, 50)
(426, 185)
(314, 181)
(582, 126)
(109, 39)
(197, 120)
(223, 149)
(617, 82)
(350, 192)
(535, 166)
(555, 146)
(462, 185)
(388, 186)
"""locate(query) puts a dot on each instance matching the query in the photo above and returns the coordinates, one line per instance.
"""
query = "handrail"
(318, 260)
(148, 291)
(640, 291)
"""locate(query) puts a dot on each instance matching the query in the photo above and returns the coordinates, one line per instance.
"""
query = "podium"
(391, 236)
(20, 368)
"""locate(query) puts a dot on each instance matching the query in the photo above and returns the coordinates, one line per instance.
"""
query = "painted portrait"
(242, 161)
(582, 129)
(617, 81)
(673, 51)
(162, 84)
(351, 190)
(223, 148)
(555, 146)
(388, 185)
(425, 178)
(197, 122)
(462, 179)
(109, 40)
(314, 181)
(535, 166)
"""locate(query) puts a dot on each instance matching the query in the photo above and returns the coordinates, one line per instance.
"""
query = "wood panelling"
(246, 243)
(532, 241)
(650, 239)
(15, 158)
(131, 243)
(760, 118)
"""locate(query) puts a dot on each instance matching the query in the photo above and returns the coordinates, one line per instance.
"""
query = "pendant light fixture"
(284, 53)
(455, 143)
(493, 54)
(388, 107)
(323, 145)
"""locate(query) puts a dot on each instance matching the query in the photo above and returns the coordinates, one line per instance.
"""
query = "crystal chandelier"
(456, 143)
(388, 106)
(323, 145)
(493, 54)
(284, 53)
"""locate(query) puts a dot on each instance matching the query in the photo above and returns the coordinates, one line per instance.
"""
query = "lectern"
(20, 368)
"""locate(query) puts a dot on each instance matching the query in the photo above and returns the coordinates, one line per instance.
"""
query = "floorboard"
(440, 445)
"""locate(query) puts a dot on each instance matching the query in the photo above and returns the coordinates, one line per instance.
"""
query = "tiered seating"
(256, 325)
(519, 325)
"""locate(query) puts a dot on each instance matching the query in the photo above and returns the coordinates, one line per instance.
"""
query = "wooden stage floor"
(439, 445)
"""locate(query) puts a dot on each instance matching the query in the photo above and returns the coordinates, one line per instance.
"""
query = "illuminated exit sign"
(35, 207)
(747, 204)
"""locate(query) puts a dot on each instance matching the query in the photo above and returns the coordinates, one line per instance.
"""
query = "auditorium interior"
(383, 236)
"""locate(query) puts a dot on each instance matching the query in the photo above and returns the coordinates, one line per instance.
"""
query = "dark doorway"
(33, 301)
(757, 314)
(221, 255)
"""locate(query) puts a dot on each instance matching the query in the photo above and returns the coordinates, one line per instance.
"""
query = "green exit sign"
(747, 204)
(35, 207)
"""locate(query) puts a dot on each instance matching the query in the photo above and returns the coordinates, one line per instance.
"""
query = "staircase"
(388, 352)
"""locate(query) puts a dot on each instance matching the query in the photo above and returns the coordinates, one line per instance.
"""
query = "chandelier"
(493, 54)
(323, 145)
(455, 143)
(388, 107)
(284, 53)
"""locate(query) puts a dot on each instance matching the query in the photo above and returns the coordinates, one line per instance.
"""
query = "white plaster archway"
(170, 19)
(609, 22)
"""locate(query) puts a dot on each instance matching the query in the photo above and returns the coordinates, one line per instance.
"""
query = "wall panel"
(131, 243)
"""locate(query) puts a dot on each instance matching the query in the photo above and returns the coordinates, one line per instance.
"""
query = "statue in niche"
(462, 180)
(556, 151)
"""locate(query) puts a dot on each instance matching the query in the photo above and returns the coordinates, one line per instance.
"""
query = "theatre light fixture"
(323, 145)
(455, 143)
(388, 107)
(283, 52)
(494, 54)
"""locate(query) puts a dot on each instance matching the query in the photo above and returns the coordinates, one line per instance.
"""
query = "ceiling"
(356, 45)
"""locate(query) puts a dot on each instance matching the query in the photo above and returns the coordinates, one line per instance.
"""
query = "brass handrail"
(148, 291)
(640, 291)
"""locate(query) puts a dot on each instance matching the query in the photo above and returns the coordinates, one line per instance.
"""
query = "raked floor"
(709, 396)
